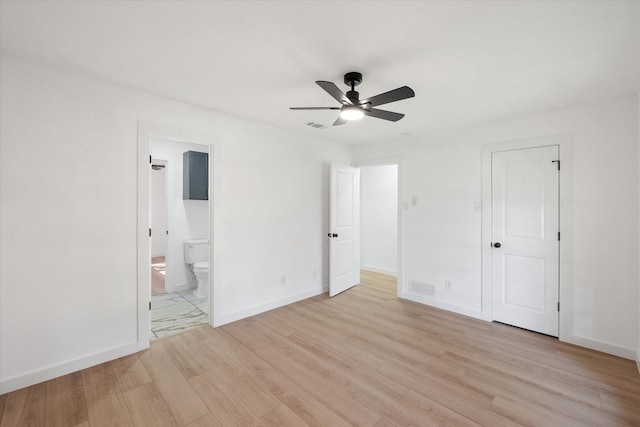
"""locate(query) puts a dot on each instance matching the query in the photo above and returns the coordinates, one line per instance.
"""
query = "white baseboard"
(602, 346)
(465, 311)
(380, 270)
(638, 360)
(40, 375)
(268, 306)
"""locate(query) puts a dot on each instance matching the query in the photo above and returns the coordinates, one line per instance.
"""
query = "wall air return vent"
(422, 288)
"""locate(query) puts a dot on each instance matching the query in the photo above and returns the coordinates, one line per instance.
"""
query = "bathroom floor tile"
(169, 302)
(203, 305)
(172, 311)
(177, 312)
(164, 296)
(189, 295)
(179, 322)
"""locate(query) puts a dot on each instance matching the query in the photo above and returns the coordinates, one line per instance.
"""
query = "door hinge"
(149, 305)
(149, 232)
(558, 306)
(558, 236)
(149, 158)
(556, 161)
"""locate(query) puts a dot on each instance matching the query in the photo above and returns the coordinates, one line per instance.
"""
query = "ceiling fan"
(354, 108)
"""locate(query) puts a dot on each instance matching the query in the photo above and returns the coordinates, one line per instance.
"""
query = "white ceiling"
(466, 61)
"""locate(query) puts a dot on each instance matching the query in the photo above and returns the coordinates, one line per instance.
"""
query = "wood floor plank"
(302, 403)
(326, 384)
(525, 414)
(130, 372)
(98, 373)
(227, 407)
(34, 410)
(363, 358)
(183, 402)
(148, 408)
(190, 360)
(106, 405)
(3, 405)
(26, 407)
(243, 385)
(65, 402)
(282, 416)
(208, 420)
(234, 353)
(432, 410)
(14, 403)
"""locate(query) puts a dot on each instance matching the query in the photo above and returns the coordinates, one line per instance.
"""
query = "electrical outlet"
(447, 285)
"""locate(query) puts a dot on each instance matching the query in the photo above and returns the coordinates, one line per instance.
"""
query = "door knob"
(497, 245)
(332, 235)
(335, 235)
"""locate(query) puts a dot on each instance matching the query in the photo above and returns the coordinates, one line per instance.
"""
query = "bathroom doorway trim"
(146, 131)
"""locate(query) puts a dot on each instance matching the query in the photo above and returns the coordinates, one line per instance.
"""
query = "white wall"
(68, 216)
(442, 234)
(187, 219)
(379, 218)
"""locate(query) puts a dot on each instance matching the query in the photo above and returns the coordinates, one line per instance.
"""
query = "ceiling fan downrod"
(353, 79)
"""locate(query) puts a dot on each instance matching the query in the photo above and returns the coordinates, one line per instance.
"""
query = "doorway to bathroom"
(179, 213)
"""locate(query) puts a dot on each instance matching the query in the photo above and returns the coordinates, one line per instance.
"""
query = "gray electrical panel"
(195, 171)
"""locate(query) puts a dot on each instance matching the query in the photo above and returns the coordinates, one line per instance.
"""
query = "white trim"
(380, 270)
(602, 346)
(271, 305)
(565, 144)
(458, 309)
(51, 372)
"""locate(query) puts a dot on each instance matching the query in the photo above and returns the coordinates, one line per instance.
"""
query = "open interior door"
(344, 228)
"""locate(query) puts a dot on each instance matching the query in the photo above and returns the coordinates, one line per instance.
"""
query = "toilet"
(196, 255)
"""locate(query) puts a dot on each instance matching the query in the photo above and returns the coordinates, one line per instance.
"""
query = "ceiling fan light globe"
(351, 113)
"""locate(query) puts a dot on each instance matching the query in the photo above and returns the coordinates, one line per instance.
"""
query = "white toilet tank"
(196, 250)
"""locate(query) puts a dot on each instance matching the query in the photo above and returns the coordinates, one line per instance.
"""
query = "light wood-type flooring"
(362, 358)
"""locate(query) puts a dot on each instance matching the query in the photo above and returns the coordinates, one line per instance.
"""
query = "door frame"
(565, 182)
(146, 131)
(385, 161)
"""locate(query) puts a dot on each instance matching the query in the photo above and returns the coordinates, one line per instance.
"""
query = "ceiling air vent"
(316, 125)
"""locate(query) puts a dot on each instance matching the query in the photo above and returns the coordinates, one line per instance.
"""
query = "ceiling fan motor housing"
(354, 96)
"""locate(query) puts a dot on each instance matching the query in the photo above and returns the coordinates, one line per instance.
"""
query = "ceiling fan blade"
(340, 121)
(314, 108)
(383, 114)
(401, 93)
(333, 90)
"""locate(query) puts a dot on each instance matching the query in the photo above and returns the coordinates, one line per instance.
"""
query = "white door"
(344, 228)
(525, 238)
